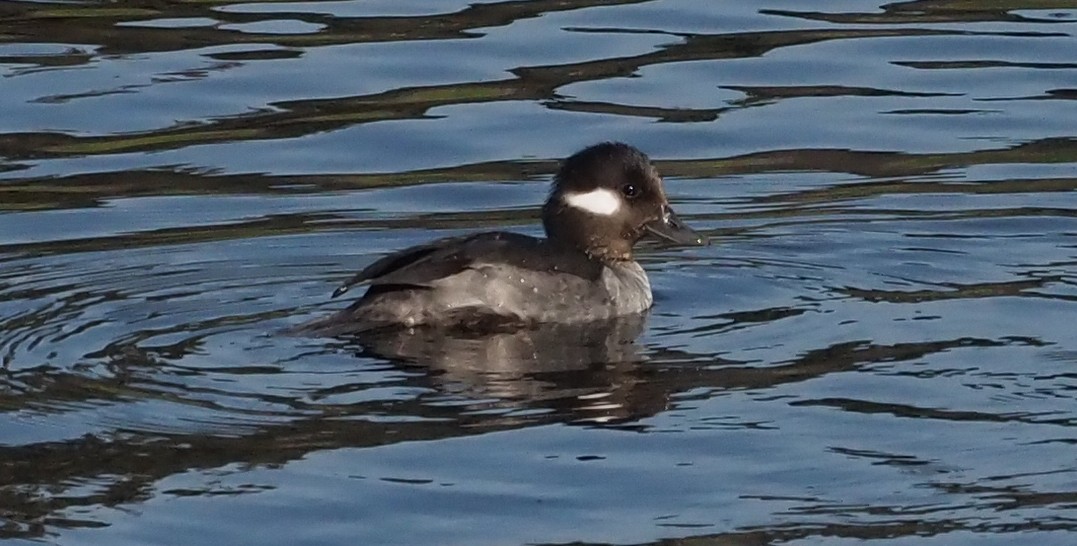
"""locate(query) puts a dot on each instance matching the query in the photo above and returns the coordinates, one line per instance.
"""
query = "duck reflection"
(589, 370)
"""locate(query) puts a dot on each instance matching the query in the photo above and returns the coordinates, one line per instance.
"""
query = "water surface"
(878, 348)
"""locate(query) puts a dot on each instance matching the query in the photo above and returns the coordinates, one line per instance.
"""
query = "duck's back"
(492, 280)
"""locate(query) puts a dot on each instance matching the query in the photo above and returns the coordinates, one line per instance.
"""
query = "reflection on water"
(586, 366)
(878, 348)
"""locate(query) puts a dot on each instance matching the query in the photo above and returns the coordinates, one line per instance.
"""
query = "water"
(879, 348)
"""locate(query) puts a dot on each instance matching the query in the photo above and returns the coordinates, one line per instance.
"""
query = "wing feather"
(423, 265)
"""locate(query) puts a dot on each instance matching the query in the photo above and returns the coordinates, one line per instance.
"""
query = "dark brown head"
(607, 197)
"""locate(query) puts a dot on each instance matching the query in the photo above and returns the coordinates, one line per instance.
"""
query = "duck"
(604, 199)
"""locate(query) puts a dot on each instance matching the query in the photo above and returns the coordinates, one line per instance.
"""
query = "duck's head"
(607, 197)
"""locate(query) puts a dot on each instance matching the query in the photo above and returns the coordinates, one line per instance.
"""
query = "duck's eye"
(630, 190)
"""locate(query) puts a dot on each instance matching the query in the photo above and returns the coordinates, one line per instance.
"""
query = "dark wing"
(400, 262)
(425, 264)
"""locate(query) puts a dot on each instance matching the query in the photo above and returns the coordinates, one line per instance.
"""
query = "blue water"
(878, 347)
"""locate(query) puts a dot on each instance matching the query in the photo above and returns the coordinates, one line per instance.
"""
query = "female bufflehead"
(604, 199)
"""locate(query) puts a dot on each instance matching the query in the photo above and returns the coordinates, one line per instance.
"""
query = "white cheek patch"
(602, 201)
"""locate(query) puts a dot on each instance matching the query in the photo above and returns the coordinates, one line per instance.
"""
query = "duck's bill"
(670, 228)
